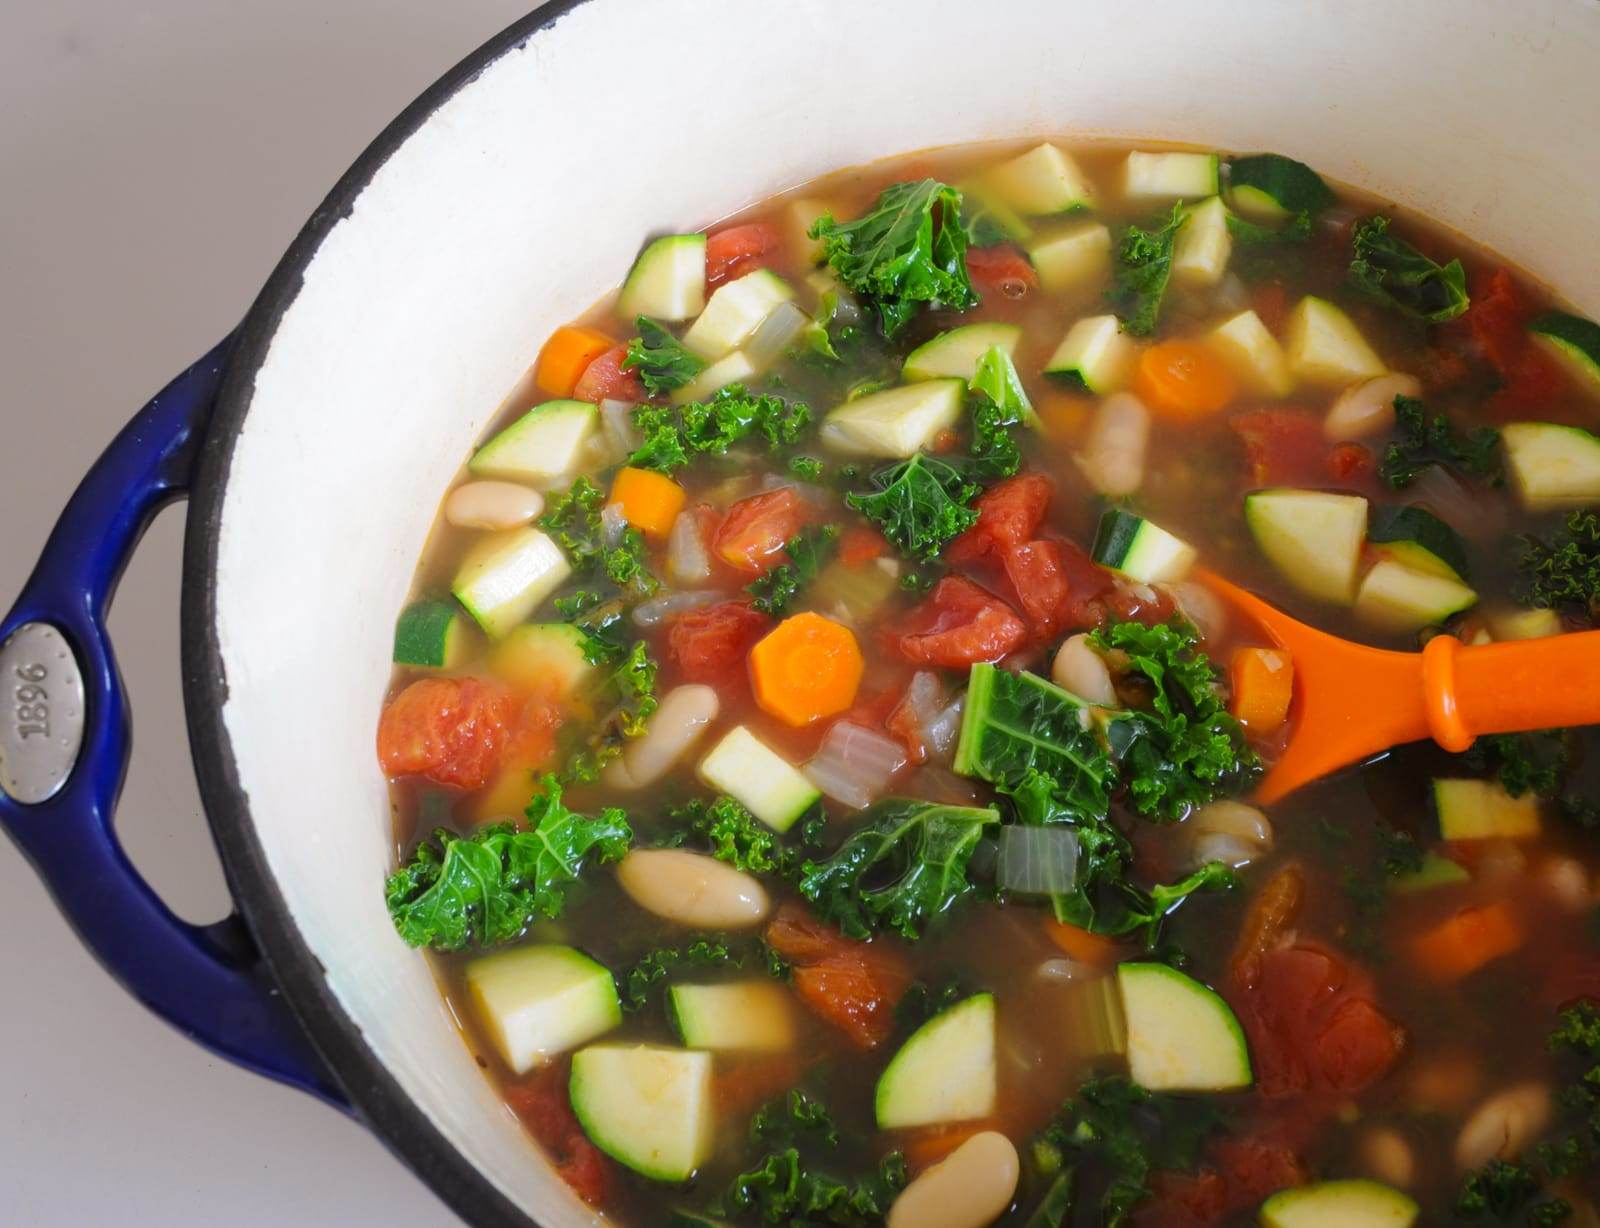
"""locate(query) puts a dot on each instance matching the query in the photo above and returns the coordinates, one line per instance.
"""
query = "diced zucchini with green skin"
(1270, 187)
(1483, 810)
(646, 1106)
(537, 1001)
(1169, 176)
(956, 354)
(1076, 258)
(741, 1016)
(544, 658)
(734, 311)
(1095, 356)
(944, 1072)
(758, 778)
(979, 200)
(1326, 348)
(734, 368)
(1552, 466)
(1507, 624)
(1200, 252)
(1043, 180)
(505, 576)
(1182, 1037)
(1572, 339)
(1140, 550)
(1340, 1204)
(1312, 538)
(668, 280)
(1419, 539)
(1253, 354)
(1394, 597)
(432, 634)
(1435, 871)
(897, 422)
(544, 444)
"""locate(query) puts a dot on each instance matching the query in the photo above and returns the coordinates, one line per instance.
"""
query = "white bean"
(1200, 606)
(1368, 407)
(1113, 455)
(492, 505)
(1388, 1157)
(675, 727)
(1565, 881)
(1503, 1125)
(1230, 832)
(692, 889)
(1083, 671)
(969, 1188)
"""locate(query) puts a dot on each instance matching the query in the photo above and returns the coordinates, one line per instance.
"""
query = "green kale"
(908, 250)
(640, 979)
(1290, 185)
(674, 435)
(806, 468)
(1562, 572)
(1393, 270)
(603, 623)
(904, 865)
(1524, 762)
(919, 505)
(793, 1119)
(734, 835)
(1423, 443)
(662, 361)
(1186, 749)
(783, 1190)
(808, 550)
(631, 688)
(1508, 1193)
(997, 403)
(1143, 267)
(488, 888)
(574, 522)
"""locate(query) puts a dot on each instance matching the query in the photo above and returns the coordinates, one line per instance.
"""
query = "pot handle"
(64, 740)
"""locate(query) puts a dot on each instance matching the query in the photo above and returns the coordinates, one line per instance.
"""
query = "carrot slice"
(650, 501)
(565, 356)
(1082, 945)
(1183, 380)
(806, 668)
(1460, 945)
(1263, 685)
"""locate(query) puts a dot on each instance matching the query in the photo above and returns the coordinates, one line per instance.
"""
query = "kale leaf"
(1563, 571)
(1394, 270)
(640, 979)
(488, 888)
(1143, 268)
(919, 505)
(997, 403)
(1524, 762)
(603, 623)
(903, 865)
(1423, 443)
(674, 435)
(631, 687)
(1508, 1193)
(662, 361)
(574, 522)
(736, 836)
(808, 550)
(793, 1119)
(907, 250)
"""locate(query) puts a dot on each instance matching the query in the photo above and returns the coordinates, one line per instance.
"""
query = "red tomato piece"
(709, 643)
(1038, 575)
(543, 1105)
(605, 380)
(449, 730)
(737, 250)
(860, 546)
(1282, 446)
(957, 625)
(1002, 268)
(1242, 1173)
(853, 985)
(1497, 319)
(752, 535)
(1349, 461)
(1009, 513)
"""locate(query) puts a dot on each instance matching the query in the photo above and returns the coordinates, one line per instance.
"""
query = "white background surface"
(156, 157)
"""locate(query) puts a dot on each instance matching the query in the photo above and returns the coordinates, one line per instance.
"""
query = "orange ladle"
(1352, 701)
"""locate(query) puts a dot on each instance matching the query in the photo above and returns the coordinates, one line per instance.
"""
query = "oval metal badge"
(41, 713)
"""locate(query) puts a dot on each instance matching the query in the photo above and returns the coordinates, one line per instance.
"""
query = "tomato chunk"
(1498, 321)
(752, 535)
(853, 985)
(1009, 513)
(605, 380)
(543, 1105)
(958, 625)
(1282, 446)
(449, 730)
(737, 250)
(709, 643)
(1038, 575)
(1003, 269)
(1242, 1172)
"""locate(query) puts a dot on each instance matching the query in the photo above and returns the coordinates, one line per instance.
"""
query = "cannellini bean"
(1567, 883)
(1388, 1157)
(492, 505)
(1368, 407)
(675, 727)
(1230, 832)
(1113, 454)
(692, 889)
(1503, 1125)
(969, 1188)
(1083, 671)
(1200, 606)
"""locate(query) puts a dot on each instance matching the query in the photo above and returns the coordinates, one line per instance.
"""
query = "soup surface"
(825, 775)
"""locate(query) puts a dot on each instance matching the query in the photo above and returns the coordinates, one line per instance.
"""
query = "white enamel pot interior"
(518, 191)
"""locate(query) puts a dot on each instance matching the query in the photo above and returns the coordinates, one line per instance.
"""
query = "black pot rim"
(373, 1091)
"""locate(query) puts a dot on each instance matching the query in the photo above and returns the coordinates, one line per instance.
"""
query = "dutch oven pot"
(313, 444)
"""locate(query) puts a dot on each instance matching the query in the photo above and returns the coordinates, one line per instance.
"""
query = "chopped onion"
(1200, 606)
(775, 335)
(1038, 860)
(939, 734)
(782, 481)
(616, 421)
(925, 696)
(669, 605)
(1452, 502)
(1067, 970)
(688, 560)
(854, 765)
(613, 524)
(1231, 294)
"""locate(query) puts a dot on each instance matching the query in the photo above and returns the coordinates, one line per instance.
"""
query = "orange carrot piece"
(1263, 685)
(650, 501)
(1081, 944)
(565, 356)
(1183, 380)
(1460, 945)
(806, 668)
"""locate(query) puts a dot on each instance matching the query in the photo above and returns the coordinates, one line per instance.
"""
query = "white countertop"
(156, 157)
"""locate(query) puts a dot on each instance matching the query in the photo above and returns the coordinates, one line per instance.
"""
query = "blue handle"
(208, 981)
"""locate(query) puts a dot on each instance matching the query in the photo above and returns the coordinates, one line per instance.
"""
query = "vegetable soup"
(825, 778)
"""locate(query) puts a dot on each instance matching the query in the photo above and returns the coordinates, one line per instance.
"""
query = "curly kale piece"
(574, 522)
(675, 435)
(663, 362)
(1422, 443)
(774, 591)
(1524, 762)
(631, 688)
(1562, 571)
(734, 835)
(1393, 270)
(1143, 268)
(638, 982)
(919, 504)
(1508, 1193)
(996, 402)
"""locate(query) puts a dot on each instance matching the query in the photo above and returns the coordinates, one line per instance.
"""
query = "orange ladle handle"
(1352, 701)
